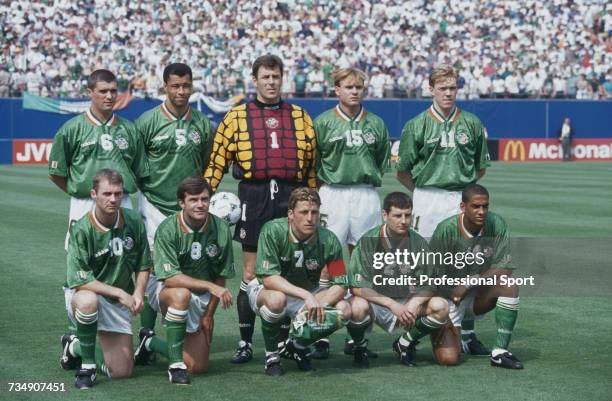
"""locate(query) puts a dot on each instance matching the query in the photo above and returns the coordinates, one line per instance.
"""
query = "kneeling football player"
(193, 258)
(484, 235)
(410, 308)
(107, 252)
(292, 252)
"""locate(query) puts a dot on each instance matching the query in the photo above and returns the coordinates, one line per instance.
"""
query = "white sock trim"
(508, 303)
(176, 315)
(177, 365)
(269, 316)
(498, 351)
(85, 318)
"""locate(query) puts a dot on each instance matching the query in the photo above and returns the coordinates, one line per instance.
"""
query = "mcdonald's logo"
(514, 150)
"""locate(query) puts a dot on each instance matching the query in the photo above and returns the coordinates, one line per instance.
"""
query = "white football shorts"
(431, 206)
(349, 211)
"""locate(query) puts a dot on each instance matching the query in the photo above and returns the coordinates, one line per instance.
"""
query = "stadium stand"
(514, 48)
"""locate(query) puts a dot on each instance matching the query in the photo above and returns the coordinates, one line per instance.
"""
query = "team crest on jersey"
(128, 243)
(369, 138)
(242, 233)
(212, 250)
(311, 264)
(462, 138)
(195, 137)
(122, 143)
(272, 123)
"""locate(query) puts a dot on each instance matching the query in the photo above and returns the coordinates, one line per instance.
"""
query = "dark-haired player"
(193, 258)
(92, 141)
(177, 141)
(485, 235)
(415, 310)
(272, 145)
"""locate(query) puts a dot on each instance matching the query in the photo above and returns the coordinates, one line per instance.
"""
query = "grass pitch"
(563, 341)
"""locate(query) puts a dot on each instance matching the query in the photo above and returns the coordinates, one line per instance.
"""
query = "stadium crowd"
(514, 48)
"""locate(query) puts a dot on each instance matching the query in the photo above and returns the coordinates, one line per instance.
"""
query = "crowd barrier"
(519, 130)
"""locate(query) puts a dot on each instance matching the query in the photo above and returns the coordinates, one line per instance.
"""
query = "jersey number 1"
(274, 139)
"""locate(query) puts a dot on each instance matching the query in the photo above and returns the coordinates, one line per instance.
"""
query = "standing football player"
(272, 145)
(441, 151)
(92, 141)
(193, 258)
(291, 255)
(353, 151)
(484, 234)
(108, 268)
(177, 141)
(413, 309)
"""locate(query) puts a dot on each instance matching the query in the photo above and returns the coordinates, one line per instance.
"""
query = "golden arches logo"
(515, 149)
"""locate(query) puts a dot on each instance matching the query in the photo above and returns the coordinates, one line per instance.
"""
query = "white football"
(226, 206)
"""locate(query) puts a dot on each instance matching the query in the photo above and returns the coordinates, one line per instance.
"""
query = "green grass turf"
(563, 341)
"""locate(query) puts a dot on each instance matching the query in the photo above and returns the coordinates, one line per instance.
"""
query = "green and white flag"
(51, 105)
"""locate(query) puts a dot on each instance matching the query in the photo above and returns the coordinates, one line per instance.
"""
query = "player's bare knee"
(439, 308)
(179, 298)
(85, 301)
(447, 357)
(345, 309)
(122, 372)
(248, 274)
(197, 367)
(359, 308)
(275, 301)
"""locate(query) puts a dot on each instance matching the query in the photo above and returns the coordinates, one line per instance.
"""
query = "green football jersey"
(175, 148)
(299, 262)
(367, 261)
(351, 151)
(108, 254)
(84, 145)
(443, 153)
(490, 247)
(205, 254)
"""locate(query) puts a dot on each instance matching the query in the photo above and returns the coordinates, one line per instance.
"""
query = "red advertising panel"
(31, 151)
(546, 150)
